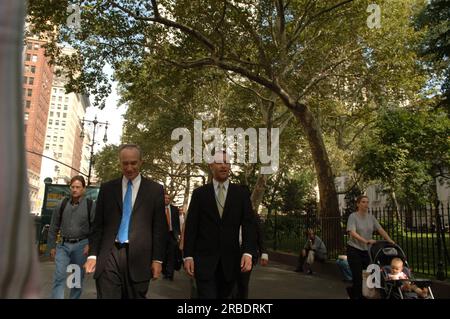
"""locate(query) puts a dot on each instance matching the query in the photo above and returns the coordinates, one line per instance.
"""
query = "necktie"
(126, 214)
(168, 218)
(220, 199)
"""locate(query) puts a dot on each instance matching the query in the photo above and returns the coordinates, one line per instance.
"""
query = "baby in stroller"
(397, 273)
(397, 281)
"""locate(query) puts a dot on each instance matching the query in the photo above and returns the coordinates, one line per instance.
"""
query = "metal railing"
(422, 232)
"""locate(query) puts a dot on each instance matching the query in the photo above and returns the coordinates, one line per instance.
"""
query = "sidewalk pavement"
(276, 281)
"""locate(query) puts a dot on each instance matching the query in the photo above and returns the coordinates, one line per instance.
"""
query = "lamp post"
(93, 124)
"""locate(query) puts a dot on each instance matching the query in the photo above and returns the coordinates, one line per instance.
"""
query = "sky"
(112, 113)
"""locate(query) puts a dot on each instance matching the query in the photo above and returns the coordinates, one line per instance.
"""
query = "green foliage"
(435, 19)
(407, 151)
(106, 163)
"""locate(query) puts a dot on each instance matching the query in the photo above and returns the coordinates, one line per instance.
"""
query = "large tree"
(408, 152)
(293, 50)
(435, 19)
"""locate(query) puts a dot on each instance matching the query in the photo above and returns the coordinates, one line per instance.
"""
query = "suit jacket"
(147, 231)
(259, 240)
(210, 239)
(175, 219)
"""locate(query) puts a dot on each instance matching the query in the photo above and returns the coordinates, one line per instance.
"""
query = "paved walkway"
(276, 281)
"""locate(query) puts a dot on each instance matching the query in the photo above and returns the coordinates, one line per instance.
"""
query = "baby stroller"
(382, 253)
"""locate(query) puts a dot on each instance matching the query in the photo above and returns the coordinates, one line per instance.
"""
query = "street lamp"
(93, 124)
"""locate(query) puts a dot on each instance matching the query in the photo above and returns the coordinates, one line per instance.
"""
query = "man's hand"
(89, 266)
(189, 267)
(156, 270)
(53, 253)
(264, 262)
(86, 250)
(246, 263)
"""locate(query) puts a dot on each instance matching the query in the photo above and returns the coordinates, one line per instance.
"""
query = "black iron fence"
(422, 232)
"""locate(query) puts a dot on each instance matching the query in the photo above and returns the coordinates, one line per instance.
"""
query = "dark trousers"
(358, 260)
(215, 288)
(301, 263)
(240, 290)
(115, 281)
(171, 255)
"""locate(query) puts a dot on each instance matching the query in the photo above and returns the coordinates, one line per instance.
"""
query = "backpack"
(64, 204)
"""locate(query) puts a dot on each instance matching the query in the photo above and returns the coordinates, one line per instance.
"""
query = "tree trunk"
(187, 189)
(258, 191)
(328, 206)
(397, 206)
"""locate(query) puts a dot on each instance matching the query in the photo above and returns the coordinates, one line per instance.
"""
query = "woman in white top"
(360, 227)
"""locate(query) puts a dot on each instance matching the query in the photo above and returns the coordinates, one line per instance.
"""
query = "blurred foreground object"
(18, 258)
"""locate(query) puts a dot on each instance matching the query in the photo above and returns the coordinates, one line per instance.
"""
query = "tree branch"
(300, 27)
(249, 89)
(324, 73)
(159, 19)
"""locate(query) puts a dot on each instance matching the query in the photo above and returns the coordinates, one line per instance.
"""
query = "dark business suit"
(241, 289)
(213, 242)
(172, 243)
(124, 271)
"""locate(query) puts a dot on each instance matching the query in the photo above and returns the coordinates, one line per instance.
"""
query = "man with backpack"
(73, 218)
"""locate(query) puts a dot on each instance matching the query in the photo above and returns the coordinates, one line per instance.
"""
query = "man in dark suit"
(173, 224)
(212, 253)
(127, 244)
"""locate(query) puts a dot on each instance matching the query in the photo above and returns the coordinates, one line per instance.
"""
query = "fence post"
(275, 235)
(440, 275)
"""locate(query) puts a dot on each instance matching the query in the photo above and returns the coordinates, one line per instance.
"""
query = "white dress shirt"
(135, 184)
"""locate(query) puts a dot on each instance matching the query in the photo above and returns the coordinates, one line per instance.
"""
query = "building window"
(64, 115)
(34, 58)
(54, 91)
(25, 79)
(55, 138)
(56, 122)
(59, 155)
(61, 139)
(51, 113)
(33, 69)
(63, 123)
(66, 99)
(47, 146)
(29, 92)
(36, 46)
(65, 107)
(50, 122)
(58, 114)
(27, 104)
(31, 81)
(28, 57)
(29, 45)
(61, 91)
(60, 147)
(26, 116)
(59, 98)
